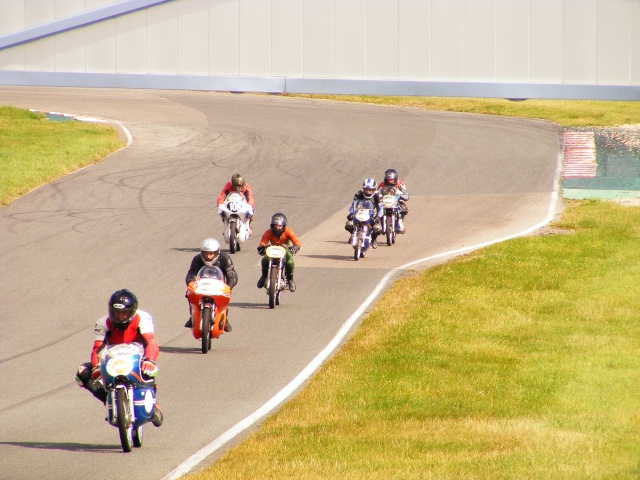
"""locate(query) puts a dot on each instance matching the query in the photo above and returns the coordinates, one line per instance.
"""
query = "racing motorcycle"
(364, 212)
(236, 214)
(209, 298)
(391, 212)
(131, 396)
(276, 282)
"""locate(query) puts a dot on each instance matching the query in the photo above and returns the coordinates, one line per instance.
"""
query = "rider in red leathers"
(391, 180)
(123, 324)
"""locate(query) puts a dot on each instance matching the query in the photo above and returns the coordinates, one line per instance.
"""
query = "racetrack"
(136, 219)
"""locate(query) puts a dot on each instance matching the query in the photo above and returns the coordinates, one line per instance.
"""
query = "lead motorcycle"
(131, 396)
(391, 213)
(209, 298)
(236, 214)
(364, 211)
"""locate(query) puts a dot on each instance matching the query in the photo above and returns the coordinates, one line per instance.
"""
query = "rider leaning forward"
(210, 255)
(279, 234)
(123, 324)
(367, 192)
(391, 180)
(237, 184)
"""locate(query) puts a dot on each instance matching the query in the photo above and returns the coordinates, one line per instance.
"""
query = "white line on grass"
(310, 369)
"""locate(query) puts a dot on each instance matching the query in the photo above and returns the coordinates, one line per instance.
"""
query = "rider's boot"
(400, 226)
(260, 283)
(350, 241)
(84, 379)
(157, 417)
(291, 283)
(227, 325)
(189, 323)
(374, 243)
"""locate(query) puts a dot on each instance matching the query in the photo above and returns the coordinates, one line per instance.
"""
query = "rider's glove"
(95, 372)
(294, 248)
(262, 249)
(149, 367)
(350, 217)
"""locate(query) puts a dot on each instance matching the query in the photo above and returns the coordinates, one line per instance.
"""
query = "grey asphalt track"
(136, 219)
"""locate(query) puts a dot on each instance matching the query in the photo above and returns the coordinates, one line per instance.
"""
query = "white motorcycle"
(237, 214)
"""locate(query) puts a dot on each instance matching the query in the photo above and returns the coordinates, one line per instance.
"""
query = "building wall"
(541, 42)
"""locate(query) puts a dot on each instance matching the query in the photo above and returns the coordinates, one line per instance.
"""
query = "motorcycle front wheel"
(233, 238)
(357, 250)
(390, 230)
(273, 286)
(206, 330)
(137, 436)
(124, 420)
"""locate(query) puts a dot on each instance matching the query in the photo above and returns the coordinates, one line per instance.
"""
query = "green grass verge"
(567, 113)
(34, 150)
(521, 360)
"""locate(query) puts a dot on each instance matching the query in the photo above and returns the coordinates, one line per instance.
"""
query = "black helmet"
(122, 301)
(390, 176)
(237, 182)
(278, 224)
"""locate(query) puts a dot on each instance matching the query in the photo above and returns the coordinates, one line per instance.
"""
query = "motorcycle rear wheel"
(273, 286)
(206, 330)
(124, 420)
(233, 239)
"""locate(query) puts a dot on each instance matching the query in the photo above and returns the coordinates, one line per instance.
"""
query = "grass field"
(34, 150)
(519, 361)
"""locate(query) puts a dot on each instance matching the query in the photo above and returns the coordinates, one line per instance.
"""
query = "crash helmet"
(123, 305)
(237, 182)
(369, 187)
(278, 224)
(209, 251)
(390, 177)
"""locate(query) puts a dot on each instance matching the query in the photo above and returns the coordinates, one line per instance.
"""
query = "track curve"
(136, 219)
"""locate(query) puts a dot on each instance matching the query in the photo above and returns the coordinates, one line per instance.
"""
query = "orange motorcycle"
(209, 298)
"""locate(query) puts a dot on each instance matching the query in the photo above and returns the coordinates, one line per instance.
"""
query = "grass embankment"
(521, 360)
(567, 113)
(34, 150)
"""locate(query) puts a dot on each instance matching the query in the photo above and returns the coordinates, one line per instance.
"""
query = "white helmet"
(209, 245)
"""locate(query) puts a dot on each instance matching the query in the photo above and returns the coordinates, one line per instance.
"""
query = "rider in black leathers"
(210, 255)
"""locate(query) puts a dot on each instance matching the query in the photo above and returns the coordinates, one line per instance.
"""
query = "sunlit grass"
(34, 150)
(574, 113)
(521, 360)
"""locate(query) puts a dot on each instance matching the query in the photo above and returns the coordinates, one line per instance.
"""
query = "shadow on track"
(69, 447)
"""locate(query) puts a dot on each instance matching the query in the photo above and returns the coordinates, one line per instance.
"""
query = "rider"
(123, 324)
(391, 180)
(368, 192)
(237, 184)
(279, 234)
(210, 255)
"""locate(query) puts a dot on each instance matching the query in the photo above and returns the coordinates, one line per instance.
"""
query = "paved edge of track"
(195, 459)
